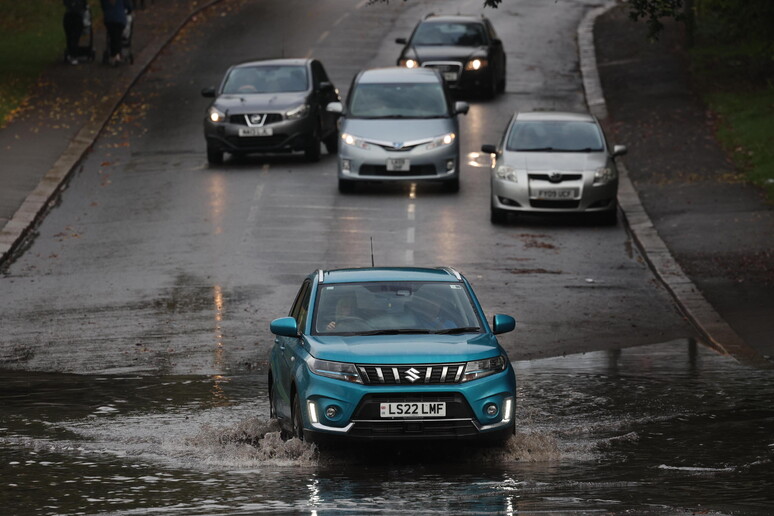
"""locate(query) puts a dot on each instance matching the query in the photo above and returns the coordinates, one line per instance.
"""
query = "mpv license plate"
(413, 409)
(556, 193)
(398, 165)
(255, 131)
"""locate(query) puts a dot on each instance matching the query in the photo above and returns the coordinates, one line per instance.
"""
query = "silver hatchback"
(554, 162)
(399, 125)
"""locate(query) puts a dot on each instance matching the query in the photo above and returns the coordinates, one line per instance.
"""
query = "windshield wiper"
(396, 331)
(536, 149)
(463, 329)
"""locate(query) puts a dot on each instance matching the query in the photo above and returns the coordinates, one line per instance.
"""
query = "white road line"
(252, 216)
(361, 4)
(341, 19)
(409, 257)
(411, 211)
(322, 37)
(410, 235)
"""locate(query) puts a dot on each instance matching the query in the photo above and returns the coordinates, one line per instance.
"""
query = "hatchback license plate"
(413, 409)
(255, 131)
(556, 193)
(398, 165)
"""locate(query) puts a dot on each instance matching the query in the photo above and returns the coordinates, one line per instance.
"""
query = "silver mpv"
(399, 125)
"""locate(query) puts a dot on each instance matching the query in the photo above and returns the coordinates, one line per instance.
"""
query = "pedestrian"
(114, 16)
(75, 10)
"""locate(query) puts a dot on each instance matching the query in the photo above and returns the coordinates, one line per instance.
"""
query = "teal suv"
(390, 354)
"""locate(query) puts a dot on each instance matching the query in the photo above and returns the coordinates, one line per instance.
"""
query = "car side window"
(319, 73)
(300, 308)
(491, 31)
(295, 310)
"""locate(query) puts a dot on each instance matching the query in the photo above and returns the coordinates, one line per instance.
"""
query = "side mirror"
(284, 326)
(619, 150)
(497, 42)
(461, 108)
(488, 149)
(208, 92)
(401, 41)
(335, 107)
(502, 324)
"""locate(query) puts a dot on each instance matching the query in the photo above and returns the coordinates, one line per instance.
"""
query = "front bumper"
(535, 195)
(358, 416)
(439, 164)
(287, 136)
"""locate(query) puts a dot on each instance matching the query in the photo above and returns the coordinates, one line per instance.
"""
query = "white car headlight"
(476, 64)
(354, 141)
(604, 175)
(507, 173)
(297, 112)
(215, 115)
(446, 139)
(482, 368)
(337, 370)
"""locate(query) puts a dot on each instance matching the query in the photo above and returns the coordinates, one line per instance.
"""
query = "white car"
(553, 162)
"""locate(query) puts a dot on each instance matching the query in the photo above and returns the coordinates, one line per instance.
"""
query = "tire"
(608, 218)
(214, 155)
(452, 185)
(312, 150)
(491, 91)
(346, 186)
(332, 143)
(498, 216)
(272, 407)
(298, 423)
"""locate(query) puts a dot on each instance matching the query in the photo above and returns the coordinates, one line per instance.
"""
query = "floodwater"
(665, 429)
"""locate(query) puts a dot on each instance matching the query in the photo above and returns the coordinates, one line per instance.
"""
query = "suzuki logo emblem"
(412, 375)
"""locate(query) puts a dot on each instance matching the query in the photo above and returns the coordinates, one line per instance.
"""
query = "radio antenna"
(372, 251)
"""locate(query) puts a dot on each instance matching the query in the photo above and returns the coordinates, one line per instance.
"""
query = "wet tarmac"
(666, 429)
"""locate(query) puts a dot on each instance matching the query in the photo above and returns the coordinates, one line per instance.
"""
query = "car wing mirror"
(335, 107)
(284, 326)
(619, 150)
(208, 92)
(401, 41)
(502, 324)
(326, 85)
(488, 149)
(461, 108)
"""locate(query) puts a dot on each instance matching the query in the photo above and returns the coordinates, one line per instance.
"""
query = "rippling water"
(662, 429)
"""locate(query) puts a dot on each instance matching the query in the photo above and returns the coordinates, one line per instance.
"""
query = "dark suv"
(465, 49)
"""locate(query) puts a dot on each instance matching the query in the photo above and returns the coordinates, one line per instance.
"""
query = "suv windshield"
(266, 79)
(556, 136)
(398, 100)
(386, 308)
(450, 34)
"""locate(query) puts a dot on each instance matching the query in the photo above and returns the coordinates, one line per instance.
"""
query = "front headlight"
(297, 112)
(482, 368)
(354, 141)
(446, 139)
(336, 370)
(476, 64)
(409, 63)
(507, 173)
(604, 175)
(215, 115)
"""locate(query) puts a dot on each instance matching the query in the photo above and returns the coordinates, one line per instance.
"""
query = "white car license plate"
(398, 165)
(413, 409)
(450, 76)
(556, 193)
(255, 131)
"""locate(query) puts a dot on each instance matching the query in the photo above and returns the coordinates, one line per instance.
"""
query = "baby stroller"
(85, 49)
(126, 42)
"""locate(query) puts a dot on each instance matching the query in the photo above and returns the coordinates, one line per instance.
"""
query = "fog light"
(508, 409)
(490, 409)
(449, 165)
(345, 165)
(312, 408)
(331, 412)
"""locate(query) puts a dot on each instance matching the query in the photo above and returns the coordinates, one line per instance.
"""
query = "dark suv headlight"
(483, 368)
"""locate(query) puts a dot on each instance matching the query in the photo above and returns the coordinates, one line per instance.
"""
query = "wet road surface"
(665, 429)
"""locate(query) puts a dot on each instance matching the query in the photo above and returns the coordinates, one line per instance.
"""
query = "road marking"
(410, 235)
(322, 37)
(411, 211)
(409, 257)
(252, 216)
(341, 19)
(362, 4)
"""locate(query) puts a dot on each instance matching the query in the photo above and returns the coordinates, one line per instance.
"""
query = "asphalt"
(707, 235)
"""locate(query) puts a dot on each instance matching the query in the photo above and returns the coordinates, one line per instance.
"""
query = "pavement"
(707, 235)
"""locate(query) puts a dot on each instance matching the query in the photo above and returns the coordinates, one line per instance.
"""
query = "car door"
(288, 352)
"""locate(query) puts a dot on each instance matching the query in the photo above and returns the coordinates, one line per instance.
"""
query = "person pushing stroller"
(114, 14)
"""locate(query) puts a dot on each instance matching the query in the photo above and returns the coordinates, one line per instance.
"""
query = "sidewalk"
(43, 144)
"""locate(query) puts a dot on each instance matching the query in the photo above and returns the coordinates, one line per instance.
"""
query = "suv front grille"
(411, 374)
(266, 118)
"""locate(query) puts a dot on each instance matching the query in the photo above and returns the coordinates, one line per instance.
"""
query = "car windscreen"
(449, 34)
(394, 307)
(266, 79)
(398, 100)
(555, 136)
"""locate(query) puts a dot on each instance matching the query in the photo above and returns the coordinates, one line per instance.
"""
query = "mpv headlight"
(446, 139)
(507, 173)
(215, 115)
(297, 112)
(482, 368)
(409, 63)
(604, 175)
(336, 370)
(476, 64)
(354, 141)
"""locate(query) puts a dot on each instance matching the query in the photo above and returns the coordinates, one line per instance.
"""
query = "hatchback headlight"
(604, 175)
(215, 115)
(336, 370)
(446, 139)
(482, 368)
(476, 64)
(354, 141)
(507, 173)
(297, 112)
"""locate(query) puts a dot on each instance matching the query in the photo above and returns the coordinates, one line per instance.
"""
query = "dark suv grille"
(411, 374)
(269, 118)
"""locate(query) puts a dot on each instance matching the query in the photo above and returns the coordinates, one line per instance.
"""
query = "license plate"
(255, 131)
(398, 165)
(413, 409)
(556, 193)
(450, 76)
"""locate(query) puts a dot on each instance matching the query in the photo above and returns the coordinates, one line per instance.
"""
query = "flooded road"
(665, 429)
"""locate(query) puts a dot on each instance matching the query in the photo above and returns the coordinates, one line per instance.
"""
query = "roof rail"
(453, 272)
(320, 277)
(428, 15)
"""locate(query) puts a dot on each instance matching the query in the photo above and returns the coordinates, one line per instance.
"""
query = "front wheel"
(452, 185)
(346, 186)
(498, 216)
(312, 150)
(298, 423)
(214, 155)
(332, 143)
